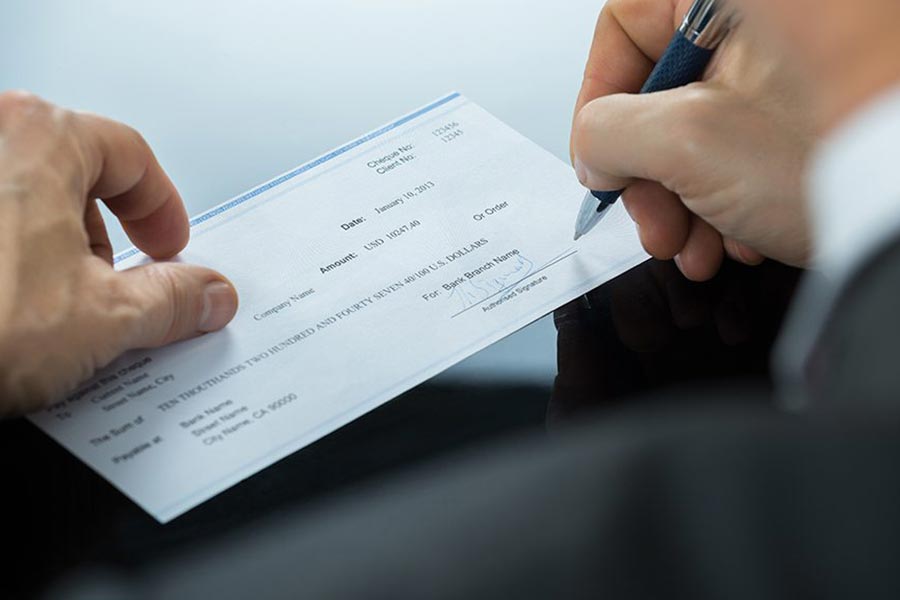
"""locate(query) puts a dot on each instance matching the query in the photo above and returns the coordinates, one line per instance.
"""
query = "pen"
(704, 27)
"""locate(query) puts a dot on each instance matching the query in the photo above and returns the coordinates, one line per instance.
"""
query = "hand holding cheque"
(64, 311)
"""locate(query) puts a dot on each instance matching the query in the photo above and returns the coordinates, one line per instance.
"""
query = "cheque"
(362, 274)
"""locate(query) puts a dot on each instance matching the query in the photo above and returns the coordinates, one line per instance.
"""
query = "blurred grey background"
(230, 94)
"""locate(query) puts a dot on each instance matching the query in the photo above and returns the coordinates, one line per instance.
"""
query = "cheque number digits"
(448, 132)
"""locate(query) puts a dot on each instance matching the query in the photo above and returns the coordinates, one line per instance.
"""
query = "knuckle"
(164, 279)
(41, 152)
(624, 10)
(18, 108)
(628, 14)
(616, 7)
(65, 119)
(15, 101)
(134, 136)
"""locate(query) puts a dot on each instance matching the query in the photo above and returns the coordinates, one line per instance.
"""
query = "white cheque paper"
(361, 274)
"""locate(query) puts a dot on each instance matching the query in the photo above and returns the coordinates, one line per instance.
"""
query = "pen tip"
(577, 236)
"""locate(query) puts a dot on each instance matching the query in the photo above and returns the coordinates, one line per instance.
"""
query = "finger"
(742, 253)
(130, 181)
(630, 37)
(174, 302)
(98, 237)
(703, 253)
(662, 220)
(619, 138)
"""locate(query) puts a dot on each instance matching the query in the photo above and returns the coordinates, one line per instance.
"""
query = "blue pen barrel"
(681, 64)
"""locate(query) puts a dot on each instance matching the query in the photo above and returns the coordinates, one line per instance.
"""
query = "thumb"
(176, 302)
(624, 137)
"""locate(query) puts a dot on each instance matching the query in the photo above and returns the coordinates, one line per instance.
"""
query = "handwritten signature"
(495, 281)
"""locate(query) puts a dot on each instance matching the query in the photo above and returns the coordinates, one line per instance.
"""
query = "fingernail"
(581, 172)
(219, 306)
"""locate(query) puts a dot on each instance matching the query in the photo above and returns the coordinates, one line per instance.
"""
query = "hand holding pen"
(710, 167)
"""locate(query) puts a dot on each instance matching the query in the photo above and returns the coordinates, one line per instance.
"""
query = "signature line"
(556, 260)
